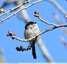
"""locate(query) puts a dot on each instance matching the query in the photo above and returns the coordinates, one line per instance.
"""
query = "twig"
(19, 11)
(49, 23)
(2, 10)
(56, 17)
(27, 40)
(36, 14)
(23, 49)
(23, 15)
(10, 10)
(45, 52)
(59, 7)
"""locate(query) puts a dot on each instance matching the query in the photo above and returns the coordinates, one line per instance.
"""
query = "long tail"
(33, 50)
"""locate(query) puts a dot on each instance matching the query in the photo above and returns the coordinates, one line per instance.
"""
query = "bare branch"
(23, 49)
(45, 52)
(11, 10)
(23, 15)
(19, 11)
(59, 7)
(27, 40)
(56, 17)
(2, 10)
(36, 14)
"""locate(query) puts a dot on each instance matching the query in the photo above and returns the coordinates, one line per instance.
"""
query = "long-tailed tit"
(31, 29)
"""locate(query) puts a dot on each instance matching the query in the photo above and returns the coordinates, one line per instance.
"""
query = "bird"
(31, 30)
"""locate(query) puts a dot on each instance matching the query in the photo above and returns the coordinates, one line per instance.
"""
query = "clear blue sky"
(51, 39)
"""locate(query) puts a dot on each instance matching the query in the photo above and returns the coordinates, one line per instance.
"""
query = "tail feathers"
(33, 50)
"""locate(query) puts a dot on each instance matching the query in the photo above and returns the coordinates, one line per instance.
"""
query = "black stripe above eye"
(29, 23)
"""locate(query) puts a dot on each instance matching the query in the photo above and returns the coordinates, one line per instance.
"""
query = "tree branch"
(59, 7)
(11, 10)
(36, 14)
(19, 11)
(28, 40)
(56, 17)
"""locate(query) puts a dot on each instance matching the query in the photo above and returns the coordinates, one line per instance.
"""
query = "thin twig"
(50, 29)
(49, 23)
(19, 11)
(2, 10)
(23, 15)
(56, 17)
(11, 10)
(59, 7)
(36, 14)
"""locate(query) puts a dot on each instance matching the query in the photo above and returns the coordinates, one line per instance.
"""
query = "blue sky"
(51, 39)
